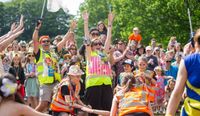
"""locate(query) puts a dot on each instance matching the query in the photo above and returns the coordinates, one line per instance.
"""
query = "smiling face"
(31, 57)
(127, 68)
(96, 45)
(142, 65)
(94, 34)
(45, 44)
(16, 60)
(101, 27)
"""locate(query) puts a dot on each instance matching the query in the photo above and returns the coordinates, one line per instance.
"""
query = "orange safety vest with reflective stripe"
(58, 102)
(134, 101)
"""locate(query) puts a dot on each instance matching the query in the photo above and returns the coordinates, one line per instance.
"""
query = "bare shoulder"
(10, 108)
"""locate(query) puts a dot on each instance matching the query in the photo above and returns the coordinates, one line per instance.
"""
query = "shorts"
(46, 92)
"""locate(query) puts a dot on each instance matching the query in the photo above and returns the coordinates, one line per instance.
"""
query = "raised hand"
(111, 17)
(85, 15)
(13, 27)
(73, 25)
(39, 24)
(22, 20)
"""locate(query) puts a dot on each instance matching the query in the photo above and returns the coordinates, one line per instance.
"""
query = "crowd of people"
(124, 78)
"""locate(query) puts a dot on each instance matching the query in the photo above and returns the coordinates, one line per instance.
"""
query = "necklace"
(16, 72)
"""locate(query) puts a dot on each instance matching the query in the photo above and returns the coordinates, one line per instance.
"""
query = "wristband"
(168, 115)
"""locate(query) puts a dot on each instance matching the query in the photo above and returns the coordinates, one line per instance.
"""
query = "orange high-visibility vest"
(58, 102)
(136, 100)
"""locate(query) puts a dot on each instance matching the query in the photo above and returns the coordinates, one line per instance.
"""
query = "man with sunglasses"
(47, 66)
(169, 69)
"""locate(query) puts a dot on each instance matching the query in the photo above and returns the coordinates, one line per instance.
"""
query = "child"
(31, 84)
(135, 37)
(18, 72)
(144, 76)
(168, 90)
(128, 68)
(160, 89)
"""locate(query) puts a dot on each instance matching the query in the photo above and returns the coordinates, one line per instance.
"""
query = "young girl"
(18, 72)
(142, 74)
(31, 84)
(168, 90)
(160, 89)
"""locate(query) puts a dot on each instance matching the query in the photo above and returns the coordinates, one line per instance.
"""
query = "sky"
(73, 7)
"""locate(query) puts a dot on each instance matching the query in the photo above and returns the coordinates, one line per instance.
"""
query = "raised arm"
(68, 35)
(21, 25)
(14, 29)
(13, 26)
(109, 32)
(35, 37)
(117, 59)
(6, 42)
(85, 16)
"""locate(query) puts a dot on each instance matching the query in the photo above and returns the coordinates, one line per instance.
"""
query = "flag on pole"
(69, 6)
(55, 5)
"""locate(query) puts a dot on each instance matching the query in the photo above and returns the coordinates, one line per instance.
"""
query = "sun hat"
(75, 70)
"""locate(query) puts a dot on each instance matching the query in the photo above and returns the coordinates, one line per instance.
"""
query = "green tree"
(53, 23)
(158, 19)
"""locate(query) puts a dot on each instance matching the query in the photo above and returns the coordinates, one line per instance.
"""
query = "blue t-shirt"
(171, 72)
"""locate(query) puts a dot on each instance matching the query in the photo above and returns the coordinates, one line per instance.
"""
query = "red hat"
(43, 37)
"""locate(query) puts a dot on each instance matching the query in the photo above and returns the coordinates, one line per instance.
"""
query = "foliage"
(53, 23)
(158, 19)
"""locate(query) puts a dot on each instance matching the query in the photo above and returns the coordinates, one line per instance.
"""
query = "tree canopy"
(53, 23)
(159, 19)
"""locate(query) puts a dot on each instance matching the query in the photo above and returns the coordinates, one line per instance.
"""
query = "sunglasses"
(168, 61)
(95, 34)
(95, 44)
(30, 55)
(23, 46)
(45, 41)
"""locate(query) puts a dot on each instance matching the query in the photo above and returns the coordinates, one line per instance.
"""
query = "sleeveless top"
(192, 102)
